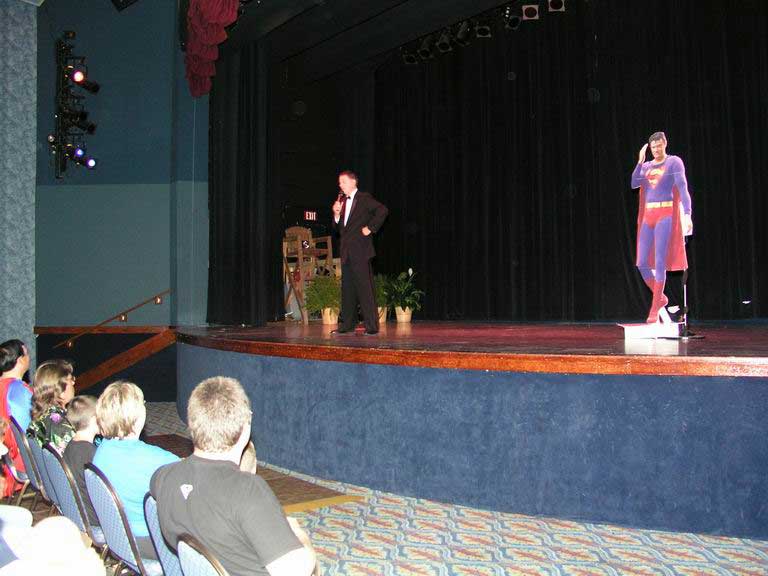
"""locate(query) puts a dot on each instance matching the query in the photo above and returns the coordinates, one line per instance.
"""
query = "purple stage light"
(79, 152)
(90, 163)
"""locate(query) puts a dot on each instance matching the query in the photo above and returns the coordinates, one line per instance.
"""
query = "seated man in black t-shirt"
(234, 513)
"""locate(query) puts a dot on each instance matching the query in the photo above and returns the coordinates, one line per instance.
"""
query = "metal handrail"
(122, 316)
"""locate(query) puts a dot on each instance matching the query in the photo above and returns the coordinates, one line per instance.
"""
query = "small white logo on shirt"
(186, 489)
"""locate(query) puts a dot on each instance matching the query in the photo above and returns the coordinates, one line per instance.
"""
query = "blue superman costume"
(664, 197)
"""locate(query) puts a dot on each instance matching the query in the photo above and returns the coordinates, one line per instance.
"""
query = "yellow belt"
(667, 204)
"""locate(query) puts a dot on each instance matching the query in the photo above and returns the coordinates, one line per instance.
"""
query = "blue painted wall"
(18, 116)
(137, 225)
(678, 453)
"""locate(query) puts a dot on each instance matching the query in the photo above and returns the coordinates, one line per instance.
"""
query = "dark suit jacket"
(366, 211)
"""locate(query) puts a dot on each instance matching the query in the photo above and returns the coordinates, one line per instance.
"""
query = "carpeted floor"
(389, 535)
(385, 534)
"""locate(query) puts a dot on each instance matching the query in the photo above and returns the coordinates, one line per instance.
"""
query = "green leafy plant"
(380, 289)
(323, 292)
(402, 291)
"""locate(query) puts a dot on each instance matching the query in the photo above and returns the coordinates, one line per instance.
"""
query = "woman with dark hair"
(52, 389)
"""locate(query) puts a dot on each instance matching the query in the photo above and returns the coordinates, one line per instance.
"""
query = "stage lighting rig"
(482, 29)
(408, 56)
(463, 34)
(444, 42)
(511, 18)
(425, 50)
(67, 142)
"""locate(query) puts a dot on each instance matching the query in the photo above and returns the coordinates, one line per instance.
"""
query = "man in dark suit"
(357, 217)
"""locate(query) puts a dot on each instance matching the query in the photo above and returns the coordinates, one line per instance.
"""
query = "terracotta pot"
(383, 313)
(330, 316)
(403, 315)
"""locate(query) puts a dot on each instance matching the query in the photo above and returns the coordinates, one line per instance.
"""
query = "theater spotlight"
(444, 42)
(482, 30)
(79, 76)
(74, 153)
(90, 163)
(73, 116)
(530, 11)
(556, 5)
(92, 87)
(425, 50)
(408, 57)
(511, 19)
(85, 126)
(512, 23)
(463, 34)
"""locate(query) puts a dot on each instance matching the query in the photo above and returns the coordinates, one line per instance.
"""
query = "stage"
(560, 420)
(726, 350)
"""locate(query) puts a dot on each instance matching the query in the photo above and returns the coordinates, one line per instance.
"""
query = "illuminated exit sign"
(310, 215)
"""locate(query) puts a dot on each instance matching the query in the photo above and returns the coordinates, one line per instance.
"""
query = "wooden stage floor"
(735, 349)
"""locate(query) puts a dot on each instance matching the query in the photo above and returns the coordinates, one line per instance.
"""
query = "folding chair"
(197, 560)
(114, 523)
(70, 500)
(37, 456)
(20, 478)
(33, 474)
(168, 558)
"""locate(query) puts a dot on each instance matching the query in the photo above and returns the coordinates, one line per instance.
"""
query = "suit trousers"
(357, 289)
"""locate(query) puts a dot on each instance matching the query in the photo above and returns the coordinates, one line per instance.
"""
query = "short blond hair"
(118, 409)
(218, 411)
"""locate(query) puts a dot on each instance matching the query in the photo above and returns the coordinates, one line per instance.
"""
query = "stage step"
(655, 330)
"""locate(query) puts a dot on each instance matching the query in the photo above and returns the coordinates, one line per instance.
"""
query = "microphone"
(340, 197)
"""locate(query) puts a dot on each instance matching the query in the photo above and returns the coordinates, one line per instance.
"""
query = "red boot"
(659, 301)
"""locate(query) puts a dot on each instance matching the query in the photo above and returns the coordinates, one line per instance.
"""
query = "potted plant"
(404, 295)
(380, 283)
(324, 295)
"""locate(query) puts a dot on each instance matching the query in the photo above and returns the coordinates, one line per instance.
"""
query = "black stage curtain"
(245, 253)
(506, 163)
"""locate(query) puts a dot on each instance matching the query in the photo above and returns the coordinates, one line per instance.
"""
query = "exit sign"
(310, 215)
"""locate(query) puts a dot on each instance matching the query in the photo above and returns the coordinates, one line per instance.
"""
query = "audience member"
(14, 392)
(52, 389)
(81, 413)
(248, 461)
(128, 462)
(12, 518)
(53, 546)
(234, 513)
(16, 401)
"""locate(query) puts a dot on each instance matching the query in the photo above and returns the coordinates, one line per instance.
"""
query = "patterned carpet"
(388, 535)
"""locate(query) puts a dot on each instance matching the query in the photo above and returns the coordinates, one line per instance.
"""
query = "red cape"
(10, 441)
(676, 258)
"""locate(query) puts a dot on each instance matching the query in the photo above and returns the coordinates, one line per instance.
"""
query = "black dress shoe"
(370, 333)
(342, 331)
